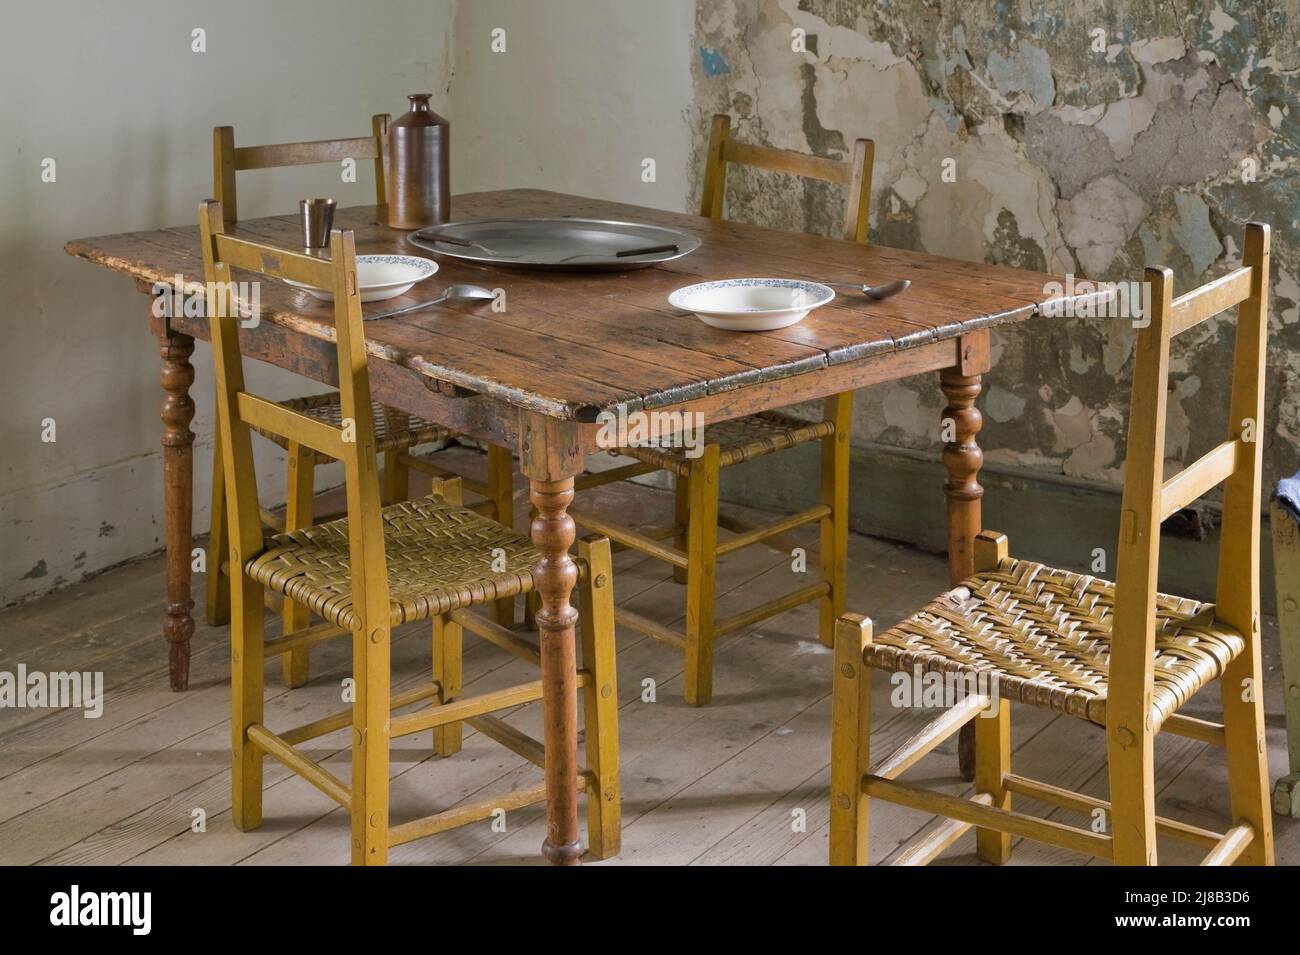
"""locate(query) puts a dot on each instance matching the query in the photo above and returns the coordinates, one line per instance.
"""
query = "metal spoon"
(876, 292)
(454, 293)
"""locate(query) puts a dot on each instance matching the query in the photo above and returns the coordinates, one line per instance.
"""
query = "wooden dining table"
(536, 374)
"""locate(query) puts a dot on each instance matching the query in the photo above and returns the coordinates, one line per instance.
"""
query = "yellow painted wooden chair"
(1121, 656)
(1285, 525)
(375, 569)
(696, 546)
(396, 434)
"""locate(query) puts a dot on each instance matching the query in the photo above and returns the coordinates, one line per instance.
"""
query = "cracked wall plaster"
(1068, 158)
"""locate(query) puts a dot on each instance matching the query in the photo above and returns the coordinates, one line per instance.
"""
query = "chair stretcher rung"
(341, 718)
(464, 708)
(1193, 728)
(656, 532)
(299, 639)
(470, 706)
(760, 533)
(1234, 842)
(1196, 479)
(585, 482)
(308, 769)
(433, 470)
(742, 525)
(630, 538)
(461, 815)
(269, 416)
(771, 608)
(649, 627)
(494, 633)
(934, 733)
(516, 741)
(988, 817)
(931, 845)
(1078, 802)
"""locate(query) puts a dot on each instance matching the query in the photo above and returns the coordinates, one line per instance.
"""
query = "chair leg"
(850, 741)
(532, 599)
(371, 655)
(681, 520)
(835, 494)
(501, 488)
(295, 665)
(701, 563)
(448, 639)
(397, 479)
(1131, 769)
(218, 544)
(992, 733)
(246, 659)
(992, 763)
(1243, 723)
(1286, 576)
(600, 697)
(397, 476)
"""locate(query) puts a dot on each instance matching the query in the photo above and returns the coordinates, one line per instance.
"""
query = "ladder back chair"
(372, 570)
(1121, 656)
(397, 433)
(696, 547)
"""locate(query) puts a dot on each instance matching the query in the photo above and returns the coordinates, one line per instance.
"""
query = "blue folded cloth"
(1288, 495)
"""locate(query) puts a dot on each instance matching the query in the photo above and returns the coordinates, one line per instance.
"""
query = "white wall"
(113, 92)
(583, 93)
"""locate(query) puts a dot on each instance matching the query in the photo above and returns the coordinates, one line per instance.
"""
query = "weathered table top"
(570, 345)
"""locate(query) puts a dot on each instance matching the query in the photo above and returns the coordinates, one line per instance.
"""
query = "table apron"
(498, 422)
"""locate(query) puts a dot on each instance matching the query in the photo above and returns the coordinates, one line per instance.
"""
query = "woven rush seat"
(326, 407)
(440, 559)
(741, 439)
(1045, 634)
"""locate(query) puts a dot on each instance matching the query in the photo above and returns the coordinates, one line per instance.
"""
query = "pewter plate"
(559, 244)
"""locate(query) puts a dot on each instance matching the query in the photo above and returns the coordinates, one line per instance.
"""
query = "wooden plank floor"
(740, 782)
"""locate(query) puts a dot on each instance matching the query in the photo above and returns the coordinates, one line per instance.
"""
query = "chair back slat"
(271, 416)
(1149, 500)
(228, 159)
(787, 161)
(1209, 300)
(1198, 478)
(238, 411)
(274, 262)
(854, 174)
(305, 154)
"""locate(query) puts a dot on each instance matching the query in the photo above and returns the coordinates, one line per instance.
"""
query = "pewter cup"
(317, 220)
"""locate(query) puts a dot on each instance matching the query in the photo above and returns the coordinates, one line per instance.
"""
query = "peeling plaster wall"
(1089, 137)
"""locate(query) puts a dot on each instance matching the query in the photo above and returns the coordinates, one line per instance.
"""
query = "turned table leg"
(178, 497)
(550, 458)
(553, 533)
(962, 458)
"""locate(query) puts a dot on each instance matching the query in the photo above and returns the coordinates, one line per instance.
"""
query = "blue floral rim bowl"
(381, 276)
(751, 305)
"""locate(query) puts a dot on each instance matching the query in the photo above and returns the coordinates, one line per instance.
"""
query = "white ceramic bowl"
(751, 305)
(381, 276)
